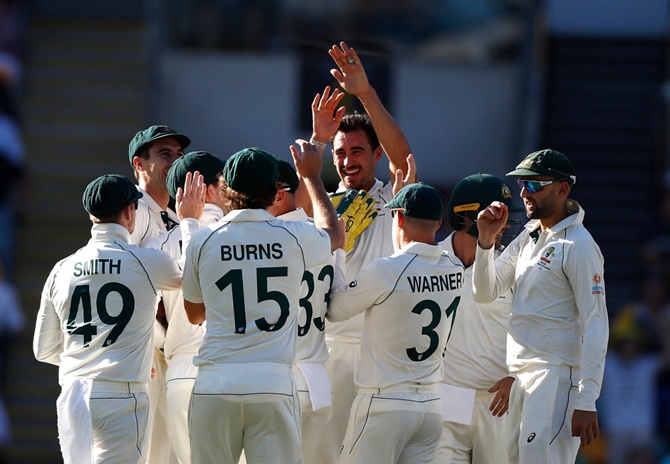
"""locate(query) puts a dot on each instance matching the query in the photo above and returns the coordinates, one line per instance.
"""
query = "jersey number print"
(233, 278)
(429, 330)
(308, 277)
(82, 296)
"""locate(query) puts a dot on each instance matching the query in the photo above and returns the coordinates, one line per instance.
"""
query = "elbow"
(195, 320)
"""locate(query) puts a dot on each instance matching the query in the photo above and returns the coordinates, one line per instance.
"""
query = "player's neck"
(465, 247)
(160, 196)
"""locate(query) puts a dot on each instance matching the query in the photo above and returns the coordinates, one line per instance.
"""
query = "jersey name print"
(435, 283)
(252, 251)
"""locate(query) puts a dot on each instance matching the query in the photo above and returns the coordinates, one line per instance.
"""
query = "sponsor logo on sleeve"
(597, 289)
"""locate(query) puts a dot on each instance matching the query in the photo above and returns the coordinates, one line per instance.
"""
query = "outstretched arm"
(351, 76)
(308, 165)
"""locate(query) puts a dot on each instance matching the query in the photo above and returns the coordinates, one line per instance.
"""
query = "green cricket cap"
(146, 136)
(205, 163)
(109, 194)
(476, 192)
(287, 176)
(419, 201)
(251, 170)
(546, 162)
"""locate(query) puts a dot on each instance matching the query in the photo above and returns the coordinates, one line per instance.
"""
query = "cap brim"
(524, 172)
(181, 138)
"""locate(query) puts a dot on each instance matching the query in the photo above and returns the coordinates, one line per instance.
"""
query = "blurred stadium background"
(475, 85)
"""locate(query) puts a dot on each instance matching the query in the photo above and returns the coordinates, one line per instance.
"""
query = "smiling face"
(545, 202)
(153, 169)
(355, 159)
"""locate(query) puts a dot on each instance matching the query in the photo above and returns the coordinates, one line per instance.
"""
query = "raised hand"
(326, 116)
(190, 200)
(491, 221)
(351, 74)
(308, 160)
(399, 182)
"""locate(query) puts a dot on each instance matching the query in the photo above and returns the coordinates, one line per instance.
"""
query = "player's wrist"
(318, 142)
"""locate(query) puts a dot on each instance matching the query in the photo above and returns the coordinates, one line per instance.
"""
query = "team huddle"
(234, 311)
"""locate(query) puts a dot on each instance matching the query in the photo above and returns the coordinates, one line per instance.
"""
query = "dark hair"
(358, 121)
(261, 200)
(457, 220)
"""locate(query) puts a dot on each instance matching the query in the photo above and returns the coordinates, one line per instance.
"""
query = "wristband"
(318, 144)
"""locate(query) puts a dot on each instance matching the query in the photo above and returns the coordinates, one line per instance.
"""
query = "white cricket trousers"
(343, 356)
(119, 414)
(542, 401)
(313, 422)
(485, 441)
(402, 424)
(251, 406)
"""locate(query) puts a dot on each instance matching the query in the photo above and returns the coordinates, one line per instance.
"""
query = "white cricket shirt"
(98, 307)
(182, 337)
(475, 354)
(148, 222)
(247, 270)
(314, 296)
(410, 300)
(559, 315)
(375, 242)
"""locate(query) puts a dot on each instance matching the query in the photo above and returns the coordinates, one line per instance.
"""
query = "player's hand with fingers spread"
(585, 426)
(491, 221)
(190, 200)
(500, 403)
(308, 161)
(399, 182)
(326, 116)
(351, 74)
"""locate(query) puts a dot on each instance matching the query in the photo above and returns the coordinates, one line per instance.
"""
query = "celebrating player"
(558, 326)
(194, 178)
(359, 142)
(151, 152)
(410, 300)
(476, 384)
(243, 276)
(96, 322)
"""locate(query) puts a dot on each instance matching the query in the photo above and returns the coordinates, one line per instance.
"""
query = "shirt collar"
(297, 214)
(109, 233)
(419, 248)
(249, 215)
(376, 186)
(576, 216)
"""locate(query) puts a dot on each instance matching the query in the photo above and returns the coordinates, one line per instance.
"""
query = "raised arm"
(351, 76)
(308, 164)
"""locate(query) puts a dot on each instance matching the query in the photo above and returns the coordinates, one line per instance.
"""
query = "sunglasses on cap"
(534, 186)
(394, 212)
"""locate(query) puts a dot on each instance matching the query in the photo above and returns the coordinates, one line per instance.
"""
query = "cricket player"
(359, 142)
(243, 276)
(558, 327)
(476, 385)
(312, 382)
(96, 322)
(151, 153)
(195, 177)
(410, 301)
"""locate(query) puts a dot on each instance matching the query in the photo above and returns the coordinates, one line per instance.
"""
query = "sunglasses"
(136, 204)
(394, 212)
(534, 186)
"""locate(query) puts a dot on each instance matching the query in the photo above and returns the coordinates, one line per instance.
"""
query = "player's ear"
(378, 153)
(138, 163)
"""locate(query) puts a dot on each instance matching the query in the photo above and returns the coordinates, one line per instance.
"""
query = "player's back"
(105, 296)
(406, 330)
(248, 269)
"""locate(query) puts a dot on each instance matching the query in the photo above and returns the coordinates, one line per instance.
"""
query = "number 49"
(82, 296)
